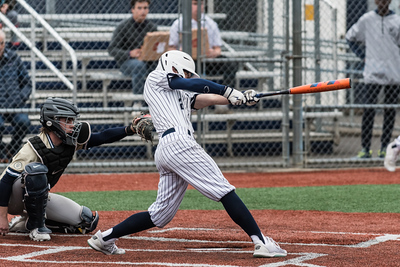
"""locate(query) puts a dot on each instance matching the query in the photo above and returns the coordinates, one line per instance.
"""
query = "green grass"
(352, 198)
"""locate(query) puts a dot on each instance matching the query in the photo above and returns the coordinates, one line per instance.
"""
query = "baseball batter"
(37, 167)
(171, 96)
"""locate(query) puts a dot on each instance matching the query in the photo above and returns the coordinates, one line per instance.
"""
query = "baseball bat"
(312, 88)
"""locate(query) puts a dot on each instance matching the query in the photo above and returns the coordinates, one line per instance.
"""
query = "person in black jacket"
(126, 44)
(15, 89)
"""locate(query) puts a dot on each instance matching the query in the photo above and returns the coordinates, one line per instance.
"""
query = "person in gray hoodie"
(379, 31)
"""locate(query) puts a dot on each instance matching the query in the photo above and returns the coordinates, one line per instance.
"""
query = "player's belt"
(171, 130)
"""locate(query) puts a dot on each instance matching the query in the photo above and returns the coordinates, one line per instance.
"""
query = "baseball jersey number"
(180, 102)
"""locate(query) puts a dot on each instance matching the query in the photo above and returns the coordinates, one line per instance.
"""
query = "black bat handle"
(283, 92)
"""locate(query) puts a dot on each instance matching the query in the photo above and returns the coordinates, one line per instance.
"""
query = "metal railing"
(31, 44)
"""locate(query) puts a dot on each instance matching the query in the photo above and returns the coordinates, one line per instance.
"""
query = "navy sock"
(240, 214)
(137, 222)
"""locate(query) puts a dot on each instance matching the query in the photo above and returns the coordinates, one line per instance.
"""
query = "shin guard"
(36, 193)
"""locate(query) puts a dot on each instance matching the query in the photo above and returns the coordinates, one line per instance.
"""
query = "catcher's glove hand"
(142, 126)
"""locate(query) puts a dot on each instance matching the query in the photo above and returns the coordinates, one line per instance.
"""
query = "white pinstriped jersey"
(169, 108)
(180, 160)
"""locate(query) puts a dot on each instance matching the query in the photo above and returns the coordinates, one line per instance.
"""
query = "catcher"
(39, 164)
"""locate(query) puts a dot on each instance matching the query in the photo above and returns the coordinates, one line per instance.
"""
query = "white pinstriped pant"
(181, 161)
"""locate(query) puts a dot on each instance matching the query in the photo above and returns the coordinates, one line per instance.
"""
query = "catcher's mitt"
(143, 126)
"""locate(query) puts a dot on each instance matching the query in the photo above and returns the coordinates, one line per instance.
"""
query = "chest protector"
(56, 159)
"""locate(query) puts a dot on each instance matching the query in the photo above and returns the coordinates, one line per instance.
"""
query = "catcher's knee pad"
(89, 220)
(88, 224)
(36, 192)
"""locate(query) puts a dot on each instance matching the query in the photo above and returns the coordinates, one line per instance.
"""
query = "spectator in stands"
(126, 44)
(228, 70)
(379, 31)
(7, 8)
(15, 89)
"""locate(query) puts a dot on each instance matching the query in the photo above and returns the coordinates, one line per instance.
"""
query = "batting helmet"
(181, 61)
(50, 113)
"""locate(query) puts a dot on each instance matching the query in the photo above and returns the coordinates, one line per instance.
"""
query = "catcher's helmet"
(50, 113)
(179, 60)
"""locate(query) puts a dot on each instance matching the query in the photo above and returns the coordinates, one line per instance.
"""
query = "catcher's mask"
(60, 116)
(179, 60)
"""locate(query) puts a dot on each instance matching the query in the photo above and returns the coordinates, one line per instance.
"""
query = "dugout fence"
(311, 131)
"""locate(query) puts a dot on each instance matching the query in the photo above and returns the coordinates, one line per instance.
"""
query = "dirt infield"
(210, 238)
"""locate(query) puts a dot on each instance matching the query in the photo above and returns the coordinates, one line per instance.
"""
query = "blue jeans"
(138, 71)
(20, 124)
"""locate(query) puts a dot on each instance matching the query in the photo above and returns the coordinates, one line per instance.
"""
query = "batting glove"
(234, 96)
(251, 98)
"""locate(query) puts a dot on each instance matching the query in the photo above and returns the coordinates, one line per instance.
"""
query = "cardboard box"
(154, 45)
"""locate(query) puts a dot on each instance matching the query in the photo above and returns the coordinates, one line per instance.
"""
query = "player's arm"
(6, 184)
(3, 221)
(205, 100)
(108, 136)
(203, 86)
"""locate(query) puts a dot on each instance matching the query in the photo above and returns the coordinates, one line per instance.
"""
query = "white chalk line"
(56, 249)
(379, 239)
(213, 229)
(298, 261)
(182, 229)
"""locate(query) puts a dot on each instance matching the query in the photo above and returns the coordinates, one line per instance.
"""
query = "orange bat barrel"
(321, 87)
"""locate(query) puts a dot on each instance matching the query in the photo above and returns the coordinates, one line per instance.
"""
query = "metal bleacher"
(76, 33)
(95, 83)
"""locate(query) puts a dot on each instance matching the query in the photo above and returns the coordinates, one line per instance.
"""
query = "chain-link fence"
(88, 52)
